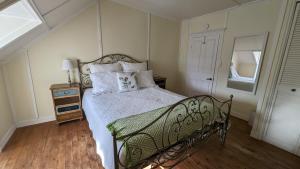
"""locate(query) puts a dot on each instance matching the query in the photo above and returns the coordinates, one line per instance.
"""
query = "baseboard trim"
(35, 121)
(243, 116)
(6, 137)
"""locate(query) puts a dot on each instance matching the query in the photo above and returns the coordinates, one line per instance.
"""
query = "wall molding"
(265, 101)
(148, 36)
(8, 93)
(24, 50)
(6, 137)
(31, 84)
(99, 28)
(35, 121)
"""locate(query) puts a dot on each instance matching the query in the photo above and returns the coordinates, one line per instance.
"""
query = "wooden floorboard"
(71, 146)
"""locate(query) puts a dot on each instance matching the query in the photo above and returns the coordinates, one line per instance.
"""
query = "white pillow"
(127, 81)
(104, 82)
(115, 67)
(145, 79)
(133, 67)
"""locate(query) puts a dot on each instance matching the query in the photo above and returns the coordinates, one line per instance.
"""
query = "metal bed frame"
(168, 155)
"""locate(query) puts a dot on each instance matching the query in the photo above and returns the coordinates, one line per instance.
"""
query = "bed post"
(226, 123)
(114, 135)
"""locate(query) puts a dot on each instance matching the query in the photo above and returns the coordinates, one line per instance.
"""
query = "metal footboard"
(174, 145)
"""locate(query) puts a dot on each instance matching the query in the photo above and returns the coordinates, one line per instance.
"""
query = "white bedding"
(101, 110)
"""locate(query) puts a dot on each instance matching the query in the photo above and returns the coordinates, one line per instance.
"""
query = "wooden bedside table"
(67, 102)
(160, 81)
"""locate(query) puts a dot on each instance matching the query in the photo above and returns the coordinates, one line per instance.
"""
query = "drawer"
(63, 109)
(69, 116)
(67, 92)
(66, 100)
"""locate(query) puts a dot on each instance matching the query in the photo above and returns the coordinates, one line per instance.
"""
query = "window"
(16, 20)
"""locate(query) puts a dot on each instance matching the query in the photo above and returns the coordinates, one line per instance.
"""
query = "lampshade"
(67, 64)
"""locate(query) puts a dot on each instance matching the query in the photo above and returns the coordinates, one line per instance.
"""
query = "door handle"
(210, 79)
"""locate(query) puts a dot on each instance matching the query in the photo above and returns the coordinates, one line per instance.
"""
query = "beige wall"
(164, 50)
(17, 75)
(75, 39)
(124, 30)
(6, 120)
(249, 19)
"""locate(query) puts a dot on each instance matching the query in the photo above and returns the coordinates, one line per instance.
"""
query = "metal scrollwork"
(199, 118)
(84, 72)
(206, 114)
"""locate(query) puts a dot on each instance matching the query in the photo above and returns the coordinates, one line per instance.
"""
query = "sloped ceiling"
(181, 9)
(53, 12)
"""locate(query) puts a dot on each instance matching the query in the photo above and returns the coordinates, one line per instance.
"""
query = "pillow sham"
(133, 67)
(104, 82)
(115, 67)
(145, 79)
(127, 81)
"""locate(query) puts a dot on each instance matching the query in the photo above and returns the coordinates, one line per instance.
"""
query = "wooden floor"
(71, 146)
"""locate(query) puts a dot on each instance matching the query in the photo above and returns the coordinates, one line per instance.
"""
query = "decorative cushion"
(145, 79)
(115, 67)
(127, 81)
(133, 67)
(104, 82)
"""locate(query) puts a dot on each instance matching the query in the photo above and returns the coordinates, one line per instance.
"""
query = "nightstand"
(160, 81)
(67, 102)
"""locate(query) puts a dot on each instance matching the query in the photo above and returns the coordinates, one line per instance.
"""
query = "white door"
(201, 63)
(284, 125)
(284, 128)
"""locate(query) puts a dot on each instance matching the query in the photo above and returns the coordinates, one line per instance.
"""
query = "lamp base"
(69, 79)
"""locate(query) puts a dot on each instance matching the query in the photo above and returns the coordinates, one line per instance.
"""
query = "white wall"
(249, 19)
(6, 120)
(31, 70)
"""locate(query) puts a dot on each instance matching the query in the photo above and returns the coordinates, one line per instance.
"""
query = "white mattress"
(101, 110)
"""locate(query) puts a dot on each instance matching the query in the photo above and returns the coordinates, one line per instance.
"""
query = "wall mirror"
(246, 61)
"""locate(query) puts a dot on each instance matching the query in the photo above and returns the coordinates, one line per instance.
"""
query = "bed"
(238, 82)
(162, 126)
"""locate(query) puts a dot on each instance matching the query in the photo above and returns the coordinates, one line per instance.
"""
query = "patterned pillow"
(127, 81)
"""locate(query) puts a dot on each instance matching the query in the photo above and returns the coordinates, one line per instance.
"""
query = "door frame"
(218, 61)
(296, 12)
(273, 70)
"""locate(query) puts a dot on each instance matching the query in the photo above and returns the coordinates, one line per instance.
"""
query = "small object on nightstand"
(67, 102)
(68, 66)
(160, 81)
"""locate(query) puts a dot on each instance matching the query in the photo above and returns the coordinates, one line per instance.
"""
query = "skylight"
(16, 20)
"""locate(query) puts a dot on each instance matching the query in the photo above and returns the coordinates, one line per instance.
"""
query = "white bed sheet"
(101, 110)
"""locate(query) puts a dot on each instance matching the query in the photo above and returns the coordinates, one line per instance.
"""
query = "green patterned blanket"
(163, 127)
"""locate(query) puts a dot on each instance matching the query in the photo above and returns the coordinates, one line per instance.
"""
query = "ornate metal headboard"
(84, 71)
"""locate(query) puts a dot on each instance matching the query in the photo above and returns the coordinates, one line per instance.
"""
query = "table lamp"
(68, 66)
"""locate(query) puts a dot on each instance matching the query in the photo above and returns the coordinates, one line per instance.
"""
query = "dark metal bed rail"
(174, 145)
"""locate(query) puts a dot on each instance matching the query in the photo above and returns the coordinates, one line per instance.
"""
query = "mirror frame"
(265, 41)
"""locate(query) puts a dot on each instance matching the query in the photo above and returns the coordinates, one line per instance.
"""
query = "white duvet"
(101, 110)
